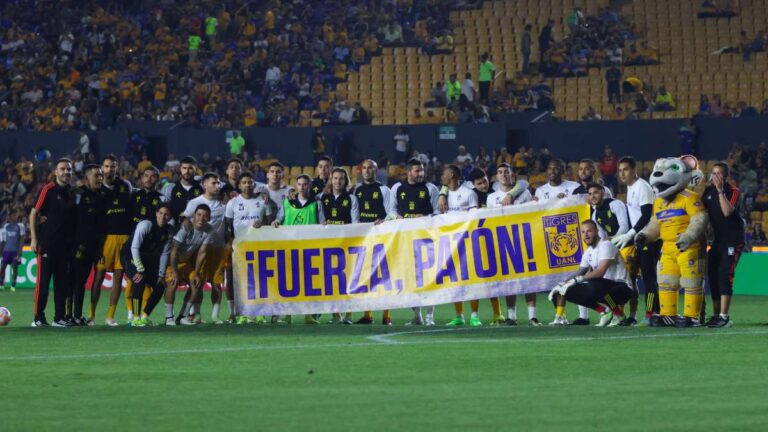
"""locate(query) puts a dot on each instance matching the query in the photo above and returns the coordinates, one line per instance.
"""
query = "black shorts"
(593, 292)
(151, 268)
(721, 267)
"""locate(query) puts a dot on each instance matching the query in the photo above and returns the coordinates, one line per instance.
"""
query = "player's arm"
(620, 210)
(355, 209)
(598, 272)
(434, 196)
(474, 202)
(200, 258)
(34, 217)
(142, 229)
(393, 202)
(389, 205)
(728, 204)
(280, 217)
(164, 257)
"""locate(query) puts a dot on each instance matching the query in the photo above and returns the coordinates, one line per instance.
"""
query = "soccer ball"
(5, 316)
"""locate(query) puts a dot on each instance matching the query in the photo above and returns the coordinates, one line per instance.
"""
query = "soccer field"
(375, 378)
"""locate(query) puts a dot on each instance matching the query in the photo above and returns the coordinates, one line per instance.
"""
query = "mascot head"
(673, 174)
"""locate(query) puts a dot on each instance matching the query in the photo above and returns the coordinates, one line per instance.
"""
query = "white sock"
(724, 316)
(215, 311)
(231, 304)
(169, 310)
(130, 315)
(583, 312)
(531, 312)
(512, 313)
(430, 311)
(474, 315)
(185, 309)
(416, 313)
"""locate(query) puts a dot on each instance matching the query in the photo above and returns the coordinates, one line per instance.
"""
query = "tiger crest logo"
(563, 240)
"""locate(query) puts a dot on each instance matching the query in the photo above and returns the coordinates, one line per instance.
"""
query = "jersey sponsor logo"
(563, 239)
(669, 214)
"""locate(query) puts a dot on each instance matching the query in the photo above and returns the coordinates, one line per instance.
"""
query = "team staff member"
(503, 197)
(339, 207)
(185, 260)
(12, 239)
(117, 227)
(52, 225)
(145, 258)
(88, 238)
(640, 199)
(303, 209)
(375, 201)
(416, 198)
(322, 176)
(179, 194)
(723, 203)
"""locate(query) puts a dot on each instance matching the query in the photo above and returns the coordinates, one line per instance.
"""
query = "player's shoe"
(242, 319)
(663, 321)
(605, 318)
(580, 322)
(13, 288)
(685, 322)
(417, 321)
(187, 321)
(110, 322)
(721, 322)
(309, 319)
(60, 324)
(510, 322)
(335, 320)
(645, 322)
(130, 317)
(387, 321)
(458, 321)
(498, 321)
(429, 321)
(170, 321)
(364, 320)
(138, 322)
(258, 320)
(616, 321)
(232, 319)
(534, 322)
(559, 321)
(218, 322)
(347, 321)
(628, 322)
(711, 320)
(475, 322)
(40, 323)
(80, 322)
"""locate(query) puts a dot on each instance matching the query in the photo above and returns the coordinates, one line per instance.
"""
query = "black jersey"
(728, 230)
(482, 198)
(144, 205)
(180, 196)
(413, 200)
(56, 206)
(371, 201)
(117, 208)
(337, 210)
(89, 207)
(316, 188)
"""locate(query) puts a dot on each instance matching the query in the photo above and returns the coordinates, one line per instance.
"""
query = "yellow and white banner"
(408, 262)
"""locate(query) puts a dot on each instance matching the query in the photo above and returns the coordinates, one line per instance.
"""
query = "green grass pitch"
(375, 378)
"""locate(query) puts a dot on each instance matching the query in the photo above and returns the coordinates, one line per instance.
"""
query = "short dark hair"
(628, 160)
(64, 160)
(203, 207)
(245, 174)
(589, 221)
(476, 173)
(325, 158)
(164, 205)
(588, 161)
(305, 177)
(90, 167)
(151, 168)
(189, 160)
(208, 175)
(111, 157)
(276, 164)
(724, 166)
(595, 185)
(413, 162)
(505, 165)
(234, 160)
(559, 162)
(454, 170)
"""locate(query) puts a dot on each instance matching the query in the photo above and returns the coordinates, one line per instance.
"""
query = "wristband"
(444, 190)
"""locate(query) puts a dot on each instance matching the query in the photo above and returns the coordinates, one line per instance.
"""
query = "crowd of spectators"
(716, 107)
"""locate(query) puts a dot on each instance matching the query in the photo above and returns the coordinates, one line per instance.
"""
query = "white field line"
(375, 340)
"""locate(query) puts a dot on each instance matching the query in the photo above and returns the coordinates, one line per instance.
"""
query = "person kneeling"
(600, 284)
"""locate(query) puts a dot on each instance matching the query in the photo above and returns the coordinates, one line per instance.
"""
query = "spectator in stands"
(631, 85)
(757, 45)
(520, 160)
(591, 115)
(664, 100)
(757, 234)
(463, 156)
(705, 108)
(760, 197)
(744, 110)
(318, 144)
(615, 55)
(525, 48)
(439, 97)
(545, 40)
(487, 72)
(613, 78)
(468, 89)
(764, 111)
(504, 157)
(608, 164)
(452, 90)
(641, 104)
(575, 20)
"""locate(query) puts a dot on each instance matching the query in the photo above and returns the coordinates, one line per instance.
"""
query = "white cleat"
(130, 317)
(187, 322)
(170, 321)
(415, 322)
(615, 321)
(559, 321)
(429, 321)
(605, 318)
(110, 322)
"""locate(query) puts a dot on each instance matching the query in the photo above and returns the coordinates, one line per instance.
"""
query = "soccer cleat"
(663, 321)
(218, 322)
(335, 320)
(559, 321)
(498, 320)
(534, 322)
(429, 321)
(580, 322)
(40, 323)
(110, 322)
(170, 322)
(138, 322)
(309, 319)
(364, 320)
(241, 320)
(232, 319)
(387, 321)
(80, 322)
(347, 321)
(685, 322)
(628, 322)
(13, 289)
(458, 321)
(713, 319)
(60, 324)
(475, 322)
(605, 318)
(187, 321)
(721, 322)
(510, 322)
(417, 321)
(258, 320)
(616, 321)
(646, 322)
(91, 322)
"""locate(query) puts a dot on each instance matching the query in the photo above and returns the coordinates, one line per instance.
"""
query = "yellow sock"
(128, 294)
(368, 314)
(459, 307)
(560, 311)
(668, 302)
(693, 305)
(387, 314)
(145, 298)
(111, 312)
(495, 306)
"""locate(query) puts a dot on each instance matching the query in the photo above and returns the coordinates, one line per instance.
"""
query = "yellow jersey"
(674, 216)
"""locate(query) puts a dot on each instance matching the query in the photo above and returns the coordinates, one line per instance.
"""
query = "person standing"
(52, 225)
(179, 194)
(613, 80)
(322, 176)
(525, 48)
(722, 201)
(402, 145)
(545, 40)
(487, 71)
(12, 237)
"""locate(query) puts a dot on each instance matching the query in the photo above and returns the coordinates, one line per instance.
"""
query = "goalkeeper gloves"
(624, 240)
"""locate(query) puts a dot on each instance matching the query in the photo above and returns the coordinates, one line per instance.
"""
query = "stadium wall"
(645, 139)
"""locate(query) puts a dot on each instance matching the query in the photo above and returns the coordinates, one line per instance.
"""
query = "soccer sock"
(559, 311)
(531, 312)
(474, 305)
(495, 306)
(459, 307)
(668, 302)
(512, 313)
(231, 305)
(169, 310)
(583, 312)
(430, 311)
(111, 311)
(649, 299)
(693, 303)
(215, 311)
(128, 296)
(144, 300)
(369, 314)
(136, 304)
(185, 309)
(197, 310)
(474, 315)
(387, 314)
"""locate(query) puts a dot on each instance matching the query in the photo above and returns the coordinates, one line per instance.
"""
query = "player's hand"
(257, 224)
(442, 204)
(378, 221)
(508, 200)
(187, 224)
(33, 244)
(640, 241)
(275, 224)
(174, 278)
(624, 240)
(138, 277)
(718, 182)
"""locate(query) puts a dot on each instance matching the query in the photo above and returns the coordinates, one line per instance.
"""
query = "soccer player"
(88, 237)
(185, 261)
(586, 173)
(52, 225)
(322, 176)
(599, 284)
(503, 197)
(229, 188)
(303, 209)
(144, 201)
(723, 203)
(12, 237)
(609, 214)
(179, 194)
(214, 263)
(339, 207)
(244, 211)
(640, 198)
(416, 198)
(117, 227)
(375, 201)
(145, 259)
(459, 199)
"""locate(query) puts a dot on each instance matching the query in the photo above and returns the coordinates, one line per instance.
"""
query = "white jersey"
(495, 199)
(188, 242)
(245, 212)
(462, 199)
(279, 195)
(638, 195)
(217, 217)
(547, 191)
(605, 250)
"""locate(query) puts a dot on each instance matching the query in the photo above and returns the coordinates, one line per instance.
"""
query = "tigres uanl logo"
(563, 239)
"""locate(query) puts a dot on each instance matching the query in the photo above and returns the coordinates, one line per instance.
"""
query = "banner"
(402, 263)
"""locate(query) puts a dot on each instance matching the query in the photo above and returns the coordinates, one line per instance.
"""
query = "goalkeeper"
(601, 283)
